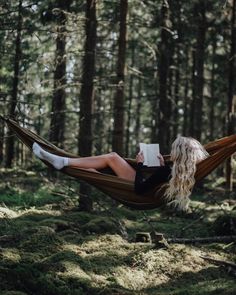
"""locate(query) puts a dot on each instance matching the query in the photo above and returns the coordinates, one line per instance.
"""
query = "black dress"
(142, 185)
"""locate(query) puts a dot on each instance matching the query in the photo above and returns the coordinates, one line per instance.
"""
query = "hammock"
(120, 189)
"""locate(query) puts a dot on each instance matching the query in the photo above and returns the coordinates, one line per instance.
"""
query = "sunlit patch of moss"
(10, 255)
(7, 213)
(73, 269)
(37, 214)
(136, 279)
(56, 252)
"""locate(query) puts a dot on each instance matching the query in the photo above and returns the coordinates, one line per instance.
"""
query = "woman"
(185, 153)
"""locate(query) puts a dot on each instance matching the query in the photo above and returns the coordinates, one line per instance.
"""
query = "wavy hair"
(186, 152)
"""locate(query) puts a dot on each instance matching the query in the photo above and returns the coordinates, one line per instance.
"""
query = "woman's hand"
(161, 159)
(140, 157)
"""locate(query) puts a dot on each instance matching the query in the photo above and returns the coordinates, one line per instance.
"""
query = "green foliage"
(38, 62)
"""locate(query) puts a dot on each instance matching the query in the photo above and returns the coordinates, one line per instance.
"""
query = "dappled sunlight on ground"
(49, 248)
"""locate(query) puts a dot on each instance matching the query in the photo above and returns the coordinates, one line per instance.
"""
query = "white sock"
(57, 162)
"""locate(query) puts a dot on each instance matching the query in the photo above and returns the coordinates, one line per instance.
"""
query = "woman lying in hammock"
(185, 154)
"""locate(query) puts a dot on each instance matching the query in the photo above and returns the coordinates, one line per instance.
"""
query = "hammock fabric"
(120, 189)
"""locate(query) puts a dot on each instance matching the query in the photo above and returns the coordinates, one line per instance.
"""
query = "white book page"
(150, 153)
(143, 148)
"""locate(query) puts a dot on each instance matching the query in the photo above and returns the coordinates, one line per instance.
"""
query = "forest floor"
(48, 247)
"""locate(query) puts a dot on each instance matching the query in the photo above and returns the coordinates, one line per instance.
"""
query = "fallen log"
(219, 261)
(217, 239)
(158, 238)
(230, 266)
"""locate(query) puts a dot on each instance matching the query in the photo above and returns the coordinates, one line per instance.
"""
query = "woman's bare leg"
(120, 167)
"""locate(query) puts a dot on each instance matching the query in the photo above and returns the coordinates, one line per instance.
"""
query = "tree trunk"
(98, 128)
(1, 142)
(130, 99)
(163, 66)
(186, 97)
(178, 63)
(176, 97)
(87, 96)
(231, 93)
(192, 101)
(155, 114)
(58, 109)
(10, 141)
(118, 131)
(212, 87)
(2, 110)
(198, 78)
(170, 104)
(138, 111)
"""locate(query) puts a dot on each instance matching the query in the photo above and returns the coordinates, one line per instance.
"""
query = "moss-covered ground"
(48, 247)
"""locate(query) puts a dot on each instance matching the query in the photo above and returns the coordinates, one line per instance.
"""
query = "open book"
(150, 153)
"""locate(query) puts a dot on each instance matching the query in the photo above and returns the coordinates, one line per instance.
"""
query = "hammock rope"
(120, 189)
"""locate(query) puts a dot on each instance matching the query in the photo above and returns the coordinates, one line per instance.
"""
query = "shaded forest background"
(95, 76)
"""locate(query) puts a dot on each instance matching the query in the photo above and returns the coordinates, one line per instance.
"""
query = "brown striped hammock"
(120, 189)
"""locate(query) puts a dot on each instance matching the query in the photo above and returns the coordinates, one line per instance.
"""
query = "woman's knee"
(113, 156)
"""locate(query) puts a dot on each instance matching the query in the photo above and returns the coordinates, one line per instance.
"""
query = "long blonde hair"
(186, 152)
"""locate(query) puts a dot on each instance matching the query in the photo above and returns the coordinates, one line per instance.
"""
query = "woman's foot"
(56, 161)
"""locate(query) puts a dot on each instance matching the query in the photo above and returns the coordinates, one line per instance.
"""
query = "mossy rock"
(143, 237)
(56, 224)
(100, 225)
(78, 217)
(42, 241)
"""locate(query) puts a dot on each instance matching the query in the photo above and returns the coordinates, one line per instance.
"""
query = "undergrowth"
(50, 247)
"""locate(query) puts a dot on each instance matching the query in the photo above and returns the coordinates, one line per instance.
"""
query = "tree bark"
(58, 108)
(10, 141)
(130, 99)
(198, 77)
(231, 94)
(186, 97)
(98, 128)
(176, 93)
(1, 142)
(2, 110)
(138, 111)
(118, 131)
(192, 101)
(87, 96)
(178, 63)
(163, 127)
(212, 87)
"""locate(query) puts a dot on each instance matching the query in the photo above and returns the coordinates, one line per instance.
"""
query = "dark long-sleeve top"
(160, 175)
